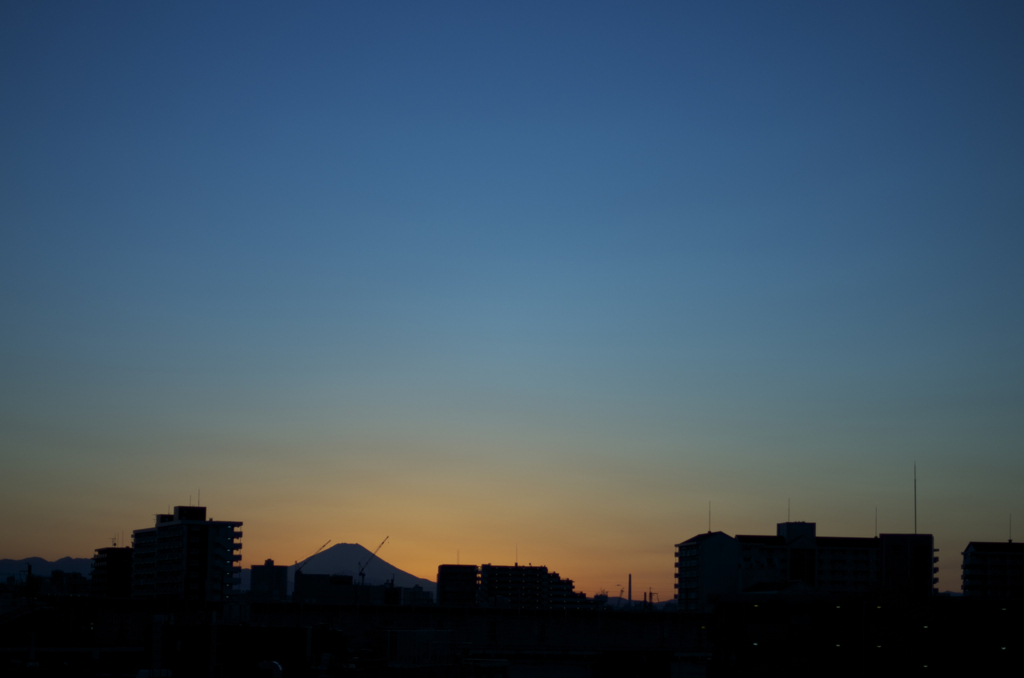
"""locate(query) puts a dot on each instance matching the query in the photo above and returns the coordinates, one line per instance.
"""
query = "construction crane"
(362, 566)
(299, 566)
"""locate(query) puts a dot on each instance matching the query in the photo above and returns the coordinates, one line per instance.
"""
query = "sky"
(534, 280)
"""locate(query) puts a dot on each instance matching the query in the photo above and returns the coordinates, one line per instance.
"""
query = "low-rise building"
(269, 583)
(515, 586)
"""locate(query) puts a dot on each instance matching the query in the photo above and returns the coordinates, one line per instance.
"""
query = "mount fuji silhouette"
(346, 559)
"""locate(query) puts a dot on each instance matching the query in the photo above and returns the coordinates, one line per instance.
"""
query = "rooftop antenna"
(915, 497)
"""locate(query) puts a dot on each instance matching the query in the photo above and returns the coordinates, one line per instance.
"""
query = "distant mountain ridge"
(43, 568)
(346, 559)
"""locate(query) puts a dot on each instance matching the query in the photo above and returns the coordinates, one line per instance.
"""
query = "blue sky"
(599, 261)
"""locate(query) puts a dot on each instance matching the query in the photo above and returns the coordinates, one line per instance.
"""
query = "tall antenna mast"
(915, 497)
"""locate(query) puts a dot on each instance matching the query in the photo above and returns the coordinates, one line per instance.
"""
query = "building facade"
(515, 586)
(457, 584)
(795, 559)
(269, 583)
(184, 556)
(993, 570)
(112, 572)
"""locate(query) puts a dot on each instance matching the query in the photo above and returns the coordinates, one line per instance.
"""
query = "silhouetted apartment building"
(269, 583)
(993, 569)
(112, 572)
(795, 559)
(515, 586)
(457, 584)
(187, 557)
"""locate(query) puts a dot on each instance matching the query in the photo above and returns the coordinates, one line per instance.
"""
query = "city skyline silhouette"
(514, 282)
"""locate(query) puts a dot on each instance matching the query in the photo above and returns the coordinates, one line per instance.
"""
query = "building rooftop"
(996, 547)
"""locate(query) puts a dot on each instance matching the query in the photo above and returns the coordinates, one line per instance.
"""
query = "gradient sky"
(496, 276)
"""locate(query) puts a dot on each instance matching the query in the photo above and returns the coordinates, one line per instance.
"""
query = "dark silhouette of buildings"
(187, 557)
(862, 635)
(712, 565)
(330, 589)
(339, 589)
(993, 569)
(269, 583)
(63, 583)
(416, 595)
(515, 586)
(457, 584)
(112, 572)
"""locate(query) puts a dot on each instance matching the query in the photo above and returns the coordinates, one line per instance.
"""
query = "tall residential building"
(112, 572)
(715, 564)
(993, 569)
(187, 557)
